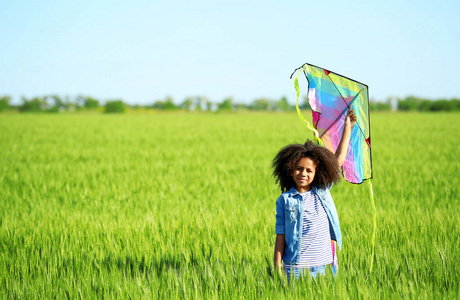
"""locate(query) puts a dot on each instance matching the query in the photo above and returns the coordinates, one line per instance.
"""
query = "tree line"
(55, 103)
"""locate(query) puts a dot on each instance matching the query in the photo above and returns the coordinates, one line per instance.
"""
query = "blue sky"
(142, 51)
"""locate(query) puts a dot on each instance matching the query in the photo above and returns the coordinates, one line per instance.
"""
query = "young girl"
(306, 218)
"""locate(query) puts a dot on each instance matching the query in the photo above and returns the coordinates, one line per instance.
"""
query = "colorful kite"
(330, 95)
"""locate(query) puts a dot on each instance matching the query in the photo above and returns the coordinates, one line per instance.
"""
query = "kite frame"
(368, 108)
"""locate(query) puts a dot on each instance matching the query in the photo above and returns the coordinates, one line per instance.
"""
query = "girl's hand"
(280, 270)
(350, 119)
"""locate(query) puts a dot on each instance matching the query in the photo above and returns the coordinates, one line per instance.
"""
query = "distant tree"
(194, 103)
(79, 102)
(383, 106)
(379, 105)
(456, 104)
(115, 106)
(158, 104)
(209, 105)
(53, 109)
(227, 104)
(69, 105)
(410, 103)
(187, 104)
(261, 104)
(199, 102)
(442, 105)
(36, 104)
(414, 103)
(304, 104)
(241, 106)
(168, 104)
(425, 105)
(90, 103)
(55, 103)
(5, 102)
(283, 104)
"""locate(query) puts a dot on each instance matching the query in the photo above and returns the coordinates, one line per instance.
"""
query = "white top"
(315, 243)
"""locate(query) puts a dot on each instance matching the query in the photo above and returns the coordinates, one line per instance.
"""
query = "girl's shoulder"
(292, 192)
(285, 196)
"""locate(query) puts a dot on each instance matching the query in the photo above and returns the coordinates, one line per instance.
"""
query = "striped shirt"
(315, 243)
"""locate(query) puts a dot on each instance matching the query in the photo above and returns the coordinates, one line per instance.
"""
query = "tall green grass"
(183, 206)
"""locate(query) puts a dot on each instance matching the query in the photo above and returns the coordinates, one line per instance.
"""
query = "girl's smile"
(304, 174)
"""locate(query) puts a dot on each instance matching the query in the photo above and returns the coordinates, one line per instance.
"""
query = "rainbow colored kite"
(330, 95)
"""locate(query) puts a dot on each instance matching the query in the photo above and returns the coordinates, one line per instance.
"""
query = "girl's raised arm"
(341, 153)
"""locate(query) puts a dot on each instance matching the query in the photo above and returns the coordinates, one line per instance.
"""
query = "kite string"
(374, 222)
(315, 132)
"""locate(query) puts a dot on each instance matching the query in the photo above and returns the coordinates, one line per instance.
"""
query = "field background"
(183, 205)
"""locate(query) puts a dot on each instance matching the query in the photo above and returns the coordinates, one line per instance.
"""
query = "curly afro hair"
(327, 167)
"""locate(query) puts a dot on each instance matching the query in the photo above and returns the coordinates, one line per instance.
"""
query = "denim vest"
(289, 221)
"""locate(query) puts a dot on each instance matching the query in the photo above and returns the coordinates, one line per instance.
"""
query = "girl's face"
(303, 174)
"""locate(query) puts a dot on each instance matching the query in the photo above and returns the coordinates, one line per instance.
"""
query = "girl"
(306, 218)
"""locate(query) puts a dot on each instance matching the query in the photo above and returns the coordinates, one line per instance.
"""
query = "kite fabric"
(330, 95)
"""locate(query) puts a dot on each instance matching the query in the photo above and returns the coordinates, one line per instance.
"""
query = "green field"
(183, 206)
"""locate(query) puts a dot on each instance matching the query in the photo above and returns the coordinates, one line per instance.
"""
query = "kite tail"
(315, 132)
(374, 222)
